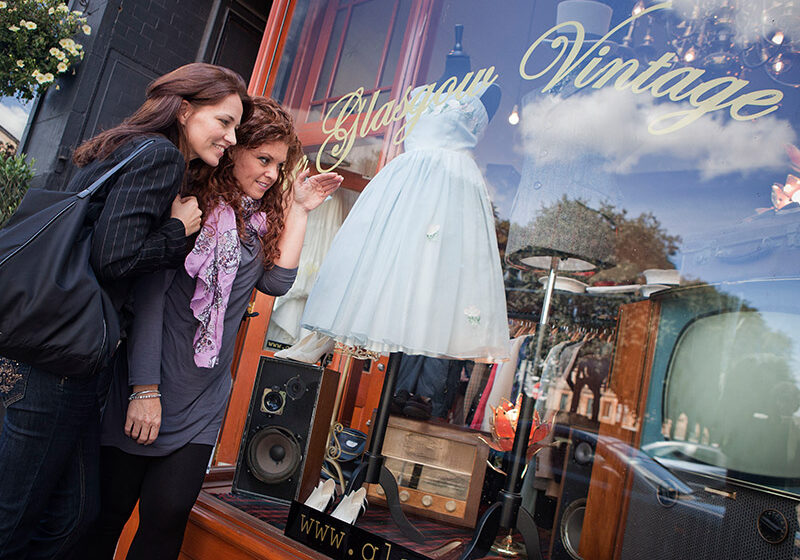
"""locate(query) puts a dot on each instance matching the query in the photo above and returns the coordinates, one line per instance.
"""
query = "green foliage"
(15, 178)
(37, 44)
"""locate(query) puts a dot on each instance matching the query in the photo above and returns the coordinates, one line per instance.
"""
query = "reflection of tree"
(641, 243)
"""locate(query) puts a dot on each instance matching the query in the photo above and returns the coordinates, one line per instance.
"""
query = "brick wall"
(133, 41)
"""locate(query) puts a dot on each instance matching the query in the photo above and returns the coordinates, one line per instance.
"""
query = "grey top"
(159, 350)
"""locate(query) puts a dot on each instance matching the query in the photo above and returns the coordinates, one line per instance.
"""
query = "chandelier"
(729, 37)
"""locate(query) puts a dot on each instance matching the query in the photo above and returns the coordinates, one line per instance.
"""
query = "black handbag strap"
(89, 191)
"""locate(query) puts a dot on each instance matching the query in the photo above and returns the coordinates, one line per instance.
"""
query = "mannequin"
(457, 64)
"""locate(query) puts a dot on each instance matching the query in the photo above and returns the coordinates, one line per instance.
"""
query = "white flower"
(13, 28)
(49, 77)
(3, 5)
(87, 30)
(20, 63)
(62, 67)
(77, 12)
(27, 24)
(62, 8)
(51, 11)
(473, 315)
(433, 232)
(67, 43)
(59, 54)
(73, 51)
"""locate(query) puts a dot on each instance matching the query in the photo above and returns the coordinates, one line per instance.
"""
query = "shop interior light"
(733, 37)
(513, 118)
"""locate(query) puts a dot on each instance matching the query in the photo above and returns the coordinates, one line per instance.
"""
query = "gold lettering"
(305, 526)
(570, 63)
(346, 119)
(351, 104)
(373, 550)
(321, 531)
(690, 75)
(612, 68)
(763, 98)
(380, 118)
(580, 79)
(711, 103)
(415, 108)
(365, 125)
(336, 540)
(481, 79)
(704, 97)
(637, 84)
(450, 84)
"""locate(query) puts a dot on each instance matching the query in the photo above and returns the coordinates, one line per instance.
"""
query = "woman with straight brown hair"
(49, 443)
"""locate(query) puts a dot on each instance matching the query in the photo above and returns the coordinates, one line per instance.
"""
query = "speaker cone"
(273, 455)
(571, 527)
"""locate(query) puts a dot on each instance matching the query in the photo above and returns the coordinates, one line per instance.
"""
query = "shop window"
(357, 44)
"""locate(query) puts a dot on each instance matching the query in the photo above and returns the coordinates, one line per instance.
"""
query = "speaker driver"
(295, 388)
(571, 526)
(273, 455)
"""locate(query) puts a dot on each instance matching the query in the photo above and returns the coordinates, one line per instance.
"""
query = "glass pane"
(648, 153)
(321, 91)
(363, 46)
(398, 32)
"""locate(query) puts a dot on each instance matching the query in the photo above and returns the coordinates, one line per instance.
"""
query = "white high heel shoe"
(351, 506)
(322, 495)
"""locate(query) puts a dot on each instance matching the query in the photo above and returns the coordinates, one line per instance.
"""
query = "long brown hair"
(269, 123)
(198, 83)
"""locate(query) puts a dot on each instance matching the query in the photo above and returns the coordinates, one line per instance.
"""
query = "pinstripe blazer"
(133, 233)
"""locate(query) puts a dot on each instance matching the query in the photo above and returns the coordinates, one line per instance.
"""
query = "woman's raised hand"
(186, 209)
(311, 191)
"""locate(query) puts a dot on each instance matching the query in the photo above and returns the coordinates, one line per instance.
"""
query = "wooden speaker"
(286, 433)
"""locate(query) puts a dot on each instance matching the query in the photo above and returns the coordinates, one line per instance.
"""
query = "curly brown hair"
(269, 122)
(198, 83)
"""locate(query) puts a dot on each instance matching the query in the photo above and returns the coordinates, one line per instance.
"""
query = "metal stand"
(334, 450)
(508, 513)
(372, 469)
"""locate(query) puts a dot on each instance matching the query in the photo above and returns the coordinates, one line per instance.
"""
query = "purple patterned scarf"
(214, 261)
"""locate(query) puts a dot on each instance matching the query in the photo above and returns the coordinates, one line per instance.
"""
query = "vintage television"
(720, 410)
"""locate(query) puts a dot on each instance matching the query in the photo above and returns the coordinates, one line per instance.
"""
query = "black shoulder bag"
(54, 314)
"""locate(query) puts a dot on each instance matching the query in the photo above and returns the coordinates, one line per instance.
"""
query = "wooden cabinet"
(606, 505)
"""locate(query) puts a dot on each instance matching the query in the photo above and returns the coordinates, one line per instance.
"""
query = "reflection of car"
(668, 496)
(687, 451)
(593, 458)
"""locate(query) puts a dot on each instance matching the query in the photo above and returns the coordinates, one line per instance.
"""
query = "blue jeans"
(49, 456)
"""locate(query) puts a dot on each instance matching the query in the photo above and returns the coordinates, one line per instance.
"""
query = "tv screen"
(732, 387)
(724, 394)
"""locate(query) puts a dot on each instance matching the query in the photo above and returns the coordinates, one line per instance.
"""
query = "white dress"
(415, 266)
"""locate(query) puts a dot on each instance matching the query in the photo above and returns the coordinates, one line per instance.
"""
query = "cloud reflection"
(613, 124)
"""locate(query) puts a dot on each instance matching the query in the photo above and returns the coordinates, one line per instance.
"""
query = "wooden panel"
(217, 530)
(607, 502)
(252, 349)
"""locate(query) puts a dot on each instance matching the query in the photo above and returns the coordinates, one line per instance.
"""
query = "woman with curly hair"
(168, 397)
(49, 436)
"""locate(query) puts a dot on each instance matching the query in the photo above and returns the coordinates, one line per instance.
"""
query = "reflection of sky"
(701, 183)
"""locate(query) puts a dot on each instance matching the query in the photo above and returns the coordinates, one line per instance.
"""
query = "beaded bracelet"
(137, 397)
(147, 394)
